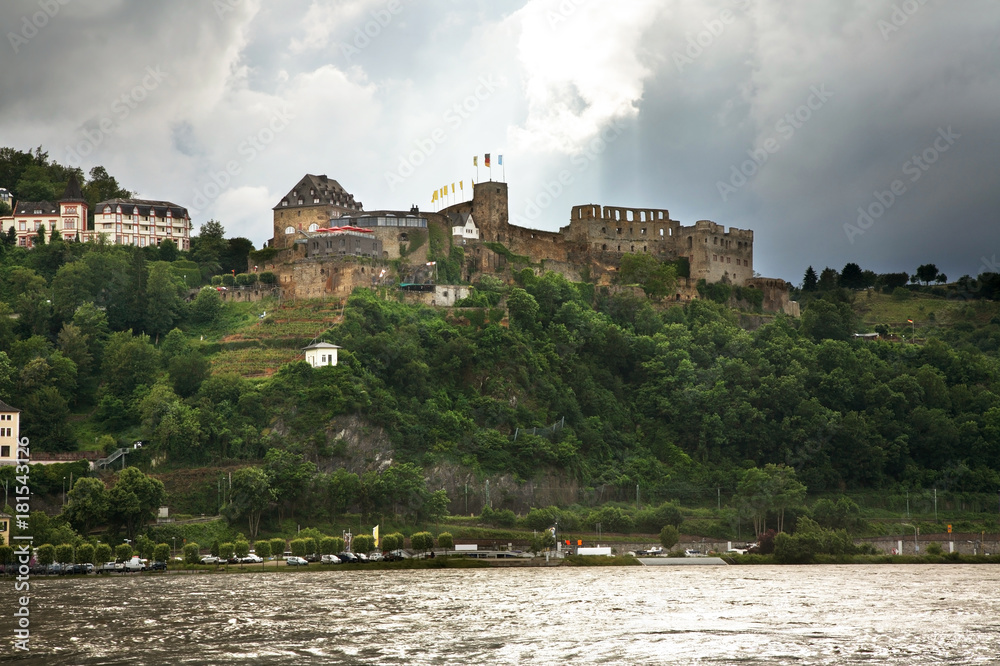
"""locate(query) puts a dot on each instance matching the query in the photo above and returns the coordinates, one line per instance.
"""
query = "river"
(884, 614)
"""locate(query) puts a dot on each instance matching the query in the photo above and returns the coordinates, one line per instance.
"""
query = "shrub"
(652, 519)
(226, 550)
(422, 541)
(242, 279)
(541, 519)
(228, 280)
(267, 277)
(612, 519)
(327, 546)
(123, 552)
(216, 280)
(446, 541)
(46, 554)
(363, 543)
(669, 536)
(901, 294)
(933, 548)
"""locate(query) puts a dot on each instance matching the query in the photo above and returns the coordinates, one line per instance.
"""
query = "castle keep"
(591, 245)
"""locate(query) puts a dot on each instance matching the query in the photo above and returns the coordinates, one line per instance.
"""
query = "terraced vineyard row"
(254, 362)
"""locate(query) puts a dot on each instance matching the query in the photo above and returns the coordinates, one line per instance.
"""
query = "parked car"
(78, 569)
(54, 569)
(312, 557)
(252, 558)
(375, 557)
(210, 559)
(110, 567)
(361, 557)
(348, 558)
(295, 561)
(158, 566)
(330, 559)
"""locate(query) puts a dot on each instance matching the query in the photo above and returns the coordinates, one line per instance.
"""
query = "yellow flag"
(475, 161)
(375, 534)
(461, 186)
(453, 188)
(435, 197)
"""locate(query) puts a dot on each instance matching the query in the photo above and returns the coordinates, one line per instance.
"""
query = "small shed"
(321, 353)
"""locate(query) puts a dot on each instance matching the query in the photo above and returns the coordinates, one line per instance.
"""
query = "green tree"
(363, 543)
(262, 549)
(164, 299)
(852, 277)
(251, 495)
(422, 541)
(810, 280)
(133, 501)
(299, 547)
(161, 553)
(926, 273)
(241, 547)
(85, 554)
(192, 553)
(129, 361)
(65, 553)
(187, 372)
(669, 536)
(523, 309)
(226, 550)
(327, 546)
(102, 554)
(123, 552)
(278, 546)
(446, 541)
(144, 546)
(207, 306)
(46, 554)
(86, 504)
(828, 279)
(215, 548)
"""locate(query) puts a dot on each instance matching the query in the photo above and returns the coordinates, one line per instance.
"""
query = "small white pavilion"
(321, 353)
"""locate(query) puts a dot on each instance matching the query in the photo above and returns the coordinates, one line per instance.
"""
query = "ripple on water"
(717, 615)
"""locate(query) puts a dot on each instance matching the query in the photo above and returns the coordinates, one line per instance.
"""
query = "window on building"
(4, 453)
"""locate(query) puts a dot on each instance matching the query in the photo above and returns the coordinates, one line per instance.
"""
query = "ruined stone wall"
(717, 255)
(320, 277)
(776, 298)
(489, 210)
(444, 295)
(621, 231)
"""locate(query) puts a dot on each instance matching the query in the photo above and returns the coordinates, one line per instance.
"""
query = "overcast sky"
(779, 116)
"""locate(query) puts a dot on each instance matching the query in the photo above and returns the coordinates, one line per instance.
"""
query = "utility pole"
(719, 492)
(637, 497)
(935, 505)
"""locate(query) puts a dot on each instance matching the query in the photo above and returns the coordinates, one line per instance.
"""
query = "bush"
(501, 518)
(933, 548)
(216, 280)
(652, 519)
(242, 279)
(446, 541)
(327, 546)
(46, 554)
(612, 519)
(422, 541)
(161, 553)
(541, 519)
(207, 305)
(226, 550)
(669, 536)
(228, 280)
(363, 543)
(901, 294)
(267, 277)
(123, 552)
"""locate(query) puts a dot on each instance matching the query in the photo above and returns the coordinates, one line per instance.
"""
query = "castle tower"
(489, 210)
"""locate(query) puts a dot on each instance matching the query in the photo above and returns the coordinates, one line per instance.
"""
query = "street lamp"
(174, 551)
(916, 546)
(64, 490)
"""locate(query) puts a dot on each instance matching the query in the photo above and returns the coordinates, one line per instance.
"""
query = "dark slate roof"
(328, 191)
(29, 208)
(4, 407)
(73, 192)
(144, 206)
